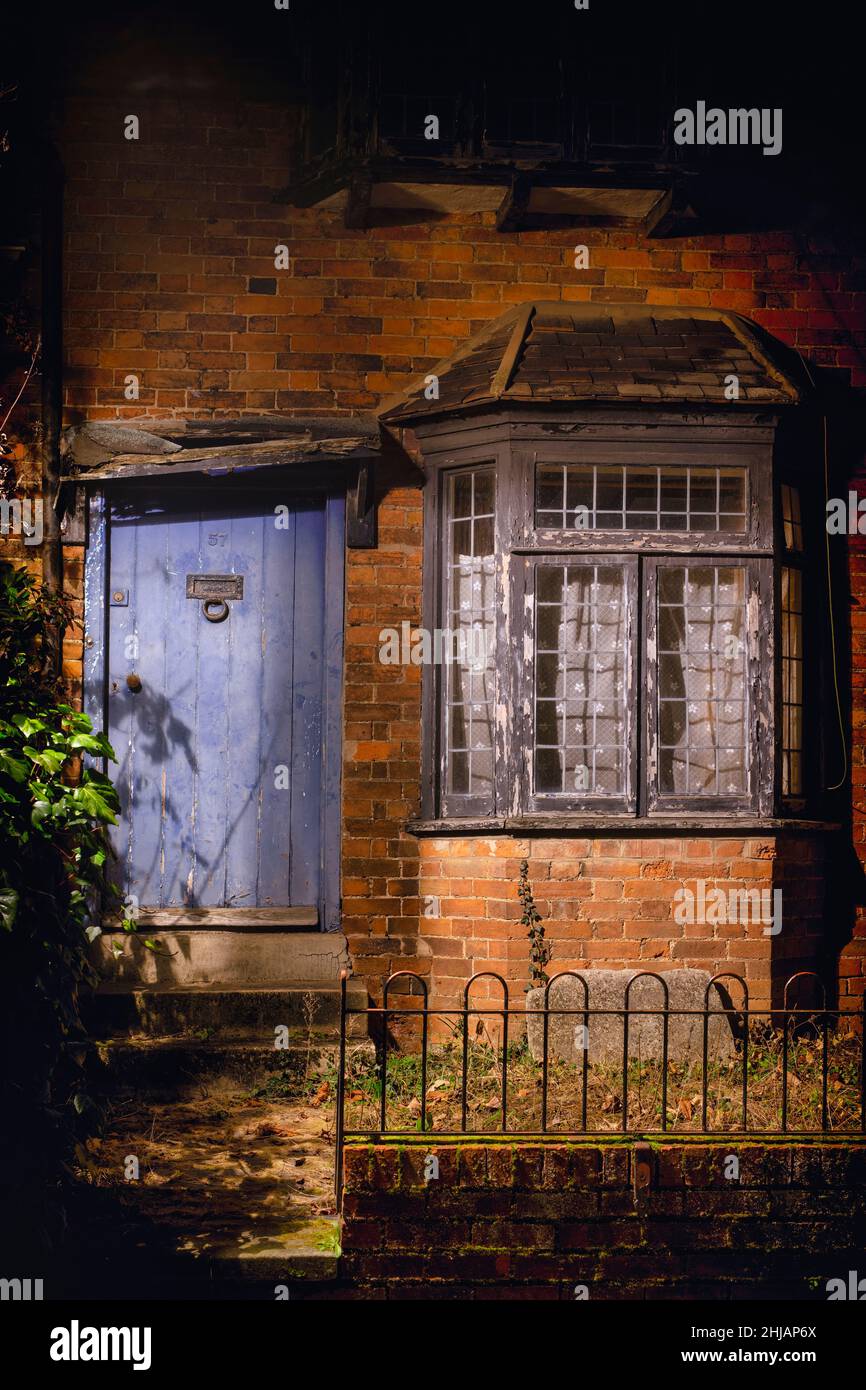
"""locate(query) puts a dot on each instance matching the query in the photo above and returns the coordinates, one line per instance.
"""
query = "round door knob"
(133, 681)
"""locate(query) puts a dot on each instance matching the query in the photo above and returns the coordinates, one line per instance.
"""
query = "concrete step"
(241, 958)
(164, 1068)
(306, 1250)
(220, 1014)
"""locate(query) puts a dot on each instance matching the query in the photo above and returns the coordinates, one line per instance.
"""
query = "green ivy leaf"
(91, 743)
(49, 759)
(93, 803)
(16, 768)
(28, 725)
(8, 908)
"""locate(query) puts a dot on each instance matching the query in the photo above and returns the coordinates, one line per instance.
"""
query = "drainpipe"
(52, 361)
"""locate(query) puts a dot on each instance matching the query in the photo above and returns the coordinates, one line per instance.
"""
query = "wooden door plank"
(278, 604)
(332, 704)
(213, 734)
(179, 755)
(243, 697)
(307, 704)
(121, 715)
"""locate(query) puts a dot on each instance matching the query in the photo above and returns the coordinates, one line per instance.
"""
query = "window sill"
(626, 826)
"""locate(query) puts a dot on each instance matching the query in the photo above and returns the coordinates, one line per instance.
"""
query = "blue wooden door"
(224, 635)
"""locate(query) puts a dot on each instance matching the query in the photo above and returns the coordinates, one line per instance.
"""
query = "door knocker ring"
(216, 610)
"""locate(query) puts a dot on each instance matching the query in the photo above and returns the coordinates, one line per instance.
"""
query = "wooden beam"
(361, 510)
(505, 370)
(179, 917)
(229, 458)
(253, 429)
(515, 204)
(358, 202)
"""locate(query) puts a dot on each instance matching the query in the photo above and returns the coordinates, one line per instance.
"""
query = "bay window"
(626, 614)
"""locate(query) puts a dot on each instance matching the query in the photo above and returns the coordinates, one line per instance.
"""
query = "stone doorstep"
(243, 958)
(251, 1013)
(175, 1067)
(293, 1254)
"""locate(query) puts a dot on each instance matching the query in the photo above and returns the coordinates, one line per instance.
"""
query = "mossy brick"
(806, 1235)
(448, 1165)
(556, 1171)
(669, 1165)
(357, 1167)
(512, 1235)
(621, 1203)
(536, 1264)
(413, 1166)
(495, 1204)
(640, 1266)
(387, 1164)
(446, 1201)
(581, 1236)
(420, 1236)
(824, 1204)
(528, 1166)
(764, 1165)
(397, 1265)
(732, 1202)
(434, 1290)
(835, 1167)
(376, 1205)
(472, 1166)
(806, 1167)
(616, 1166)
(703, 1166)
(730, 1263)
(472, 1264)
(584, 1166)
(543, 1206)
(360, 1235)
(522, 1293)
(693, 1234)
(360, 1265)
(501, 1166)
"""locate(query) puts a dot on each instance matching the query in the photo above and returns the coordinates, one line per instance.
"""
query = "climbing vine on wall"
(540, 951)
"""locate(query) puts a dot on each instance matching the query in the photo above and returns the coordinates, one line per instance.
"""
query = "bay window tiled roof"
(560, 353)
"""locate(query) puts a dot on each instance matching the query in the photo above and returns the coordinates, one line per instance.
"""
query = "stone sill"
(625, 826)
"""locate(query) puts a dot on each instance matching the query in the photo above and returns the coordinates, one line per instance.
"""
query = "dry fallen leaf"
(322, 1094)
(684, 1109)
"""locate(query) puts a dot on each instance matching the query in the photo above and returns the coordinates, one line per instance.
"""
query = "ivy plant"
(54, 814)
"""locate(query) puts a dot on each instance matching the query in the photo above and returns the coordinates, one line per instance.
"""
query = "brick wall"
(170, 276)
(531, 1220)
(611, 902)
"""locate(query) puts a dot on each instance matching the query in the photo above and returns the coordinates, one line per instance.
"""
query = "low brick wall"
(550, 1220)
